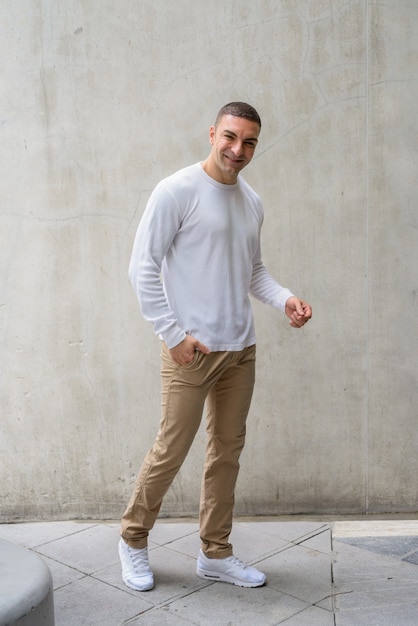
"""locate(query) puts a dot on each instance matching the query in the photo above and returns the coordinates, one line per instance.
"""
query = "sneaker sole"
(131, 586)
(223, 578)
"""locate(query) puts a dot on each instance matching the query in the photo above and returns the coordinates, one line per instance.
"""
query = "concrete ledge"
(26, 592)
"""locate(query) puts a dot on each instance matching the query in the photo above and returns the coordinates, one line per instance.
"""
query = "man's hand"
(183, 353)
(298, 311)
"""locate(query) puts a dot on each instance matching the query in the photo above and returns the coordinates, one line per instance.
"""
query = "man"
(201, 231)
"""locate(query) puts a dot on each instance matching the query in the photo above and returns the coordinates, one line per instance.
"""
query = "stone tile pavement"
(375, 573)
(319, 573)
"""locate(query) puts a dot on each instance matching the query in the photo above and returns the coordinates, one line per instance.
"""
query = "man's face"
(233, 142)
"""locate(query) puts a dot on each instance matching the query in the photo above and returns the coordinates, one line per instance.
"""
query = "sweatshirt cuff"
(173, 337)
(283, 298)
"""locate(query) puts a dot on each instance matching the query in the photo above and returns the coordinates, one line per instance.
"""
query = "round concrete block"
(26, 592)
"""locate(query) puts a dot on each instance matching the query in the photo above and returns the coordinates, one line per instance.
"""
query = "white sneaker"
(229, 570)
(136, 572)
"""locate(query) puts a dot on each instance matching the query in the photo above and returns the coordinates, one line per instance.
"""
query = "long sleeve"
(263, 286)
(155, 234)
(266, 289)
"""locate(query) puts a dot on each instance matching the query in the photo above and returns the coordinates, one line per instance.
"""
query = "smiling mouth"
(232, 160)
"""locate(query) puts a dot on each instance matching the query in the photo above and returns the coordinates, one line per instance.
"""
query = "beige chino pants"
(225, 380)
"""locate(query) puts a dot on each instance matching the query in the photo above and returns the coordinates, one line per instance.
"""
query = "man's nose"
(237, 147)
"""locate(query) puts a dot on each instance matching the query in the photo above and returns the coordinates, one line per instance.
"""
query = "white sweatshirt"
(204, 238)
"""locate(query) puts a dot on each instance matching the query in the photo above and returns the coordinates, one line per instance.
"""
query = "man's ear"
(212, 131)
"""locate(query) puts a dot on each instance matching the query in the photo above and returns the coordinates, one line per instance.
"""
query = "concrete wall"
(102, 99)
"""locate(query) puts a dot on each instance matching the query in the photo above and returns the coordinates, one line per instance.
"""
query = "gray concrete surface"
(100, 100)
(319, 573)
(26, 589)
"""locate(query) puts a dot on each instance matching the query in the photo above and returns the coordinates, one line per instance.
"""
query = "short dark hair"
(239, 109)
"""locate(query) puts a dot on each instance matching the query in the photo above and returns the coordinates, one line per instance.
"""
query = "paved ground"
(319, 573)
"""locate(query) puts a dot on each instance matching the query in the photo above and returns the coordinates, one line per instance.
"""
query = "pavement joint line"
(268, 555)
(289, 546)
(311, 535)
(65, 536)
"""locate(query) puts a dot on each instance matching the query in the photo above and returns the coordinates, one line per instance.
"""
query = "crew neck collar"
(215, 182)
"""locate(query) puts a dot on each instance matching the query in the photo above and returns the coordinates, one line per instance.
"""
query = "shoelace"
(139, 559)
(235, 561)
